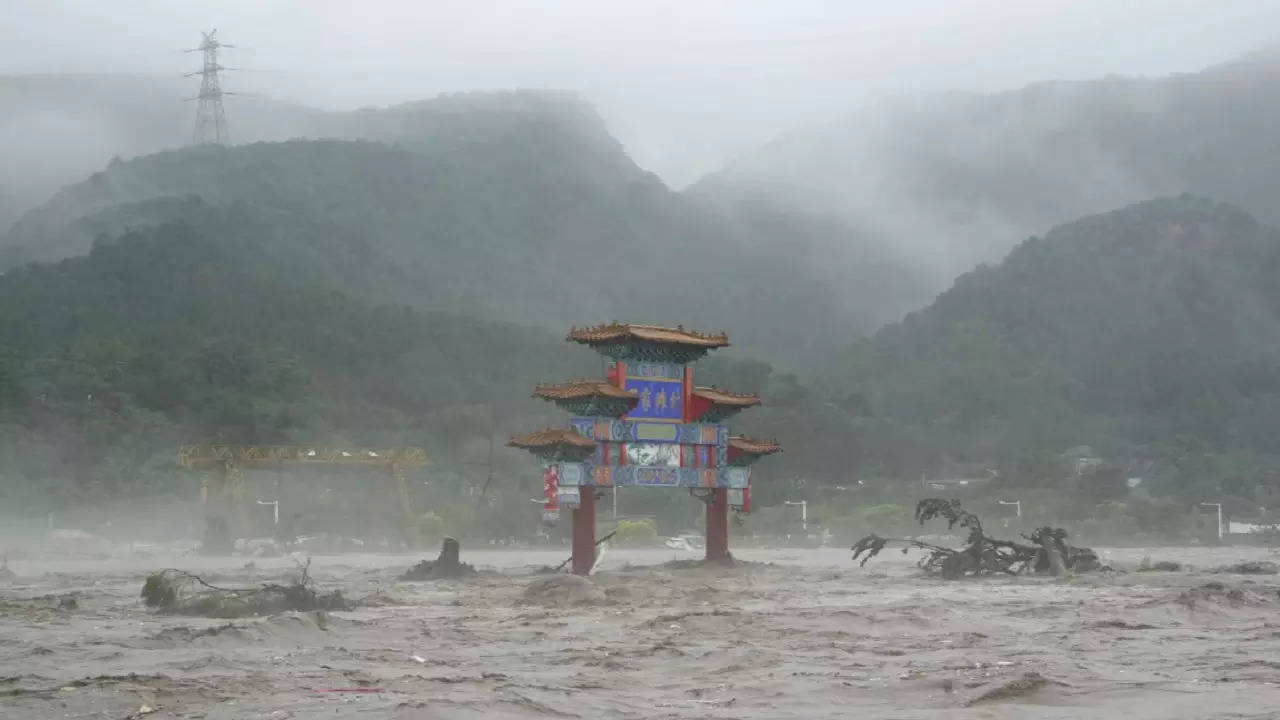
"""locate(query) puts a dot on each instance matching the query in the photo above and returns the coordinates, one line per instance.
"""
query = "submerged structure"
(645, 424)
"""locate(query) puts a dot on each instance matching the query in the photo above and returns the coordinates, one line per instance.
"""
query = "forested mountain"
(58, 129)
(166, 336)
(178, 334)
(534, 216)
(951, 180)
(1149, 333)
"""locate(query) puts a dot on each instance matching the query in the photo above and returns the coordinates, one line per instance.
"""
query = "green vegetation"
(637, 533)
(548, 227)
(1148, 334)
(429, 529)
(165, 336)
(885, 518)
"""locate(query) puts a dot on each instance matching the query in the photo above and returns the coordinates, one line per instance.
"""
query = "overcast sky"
(685, 84)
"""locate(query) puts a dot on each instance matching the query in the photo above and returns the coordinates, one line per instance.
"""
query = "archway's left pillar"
(584, 531)
(717, 540)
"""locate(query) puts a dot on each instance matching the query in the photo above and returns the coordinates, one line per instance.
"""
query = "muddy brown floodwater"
(792, 634)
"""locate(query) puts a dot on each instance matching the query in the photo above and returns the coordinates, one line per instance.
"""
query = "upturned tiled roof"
(550, 438)
(752, 446)
(580, 389)
(618, 332)
(724, 397)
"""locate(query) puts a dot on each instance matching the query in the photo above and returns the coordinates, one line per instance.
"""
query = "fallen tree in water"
(178, 592)
(982, 554)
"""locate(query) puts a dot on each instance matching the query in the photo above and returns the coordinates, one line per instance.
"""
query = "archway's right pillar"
(717, 539)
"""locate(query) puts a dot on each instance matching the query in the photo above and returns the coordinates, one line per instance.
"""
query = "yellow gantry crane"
(225, 485)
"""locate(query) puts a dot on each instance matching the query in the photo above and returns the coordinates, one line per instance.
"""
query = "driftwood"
(982, 554)
(178, 592)
(547, 569)
(446, 565)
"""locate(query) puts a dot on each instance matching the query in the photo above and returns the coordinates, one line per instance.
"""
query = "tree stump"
(447, 560)
(446, 564)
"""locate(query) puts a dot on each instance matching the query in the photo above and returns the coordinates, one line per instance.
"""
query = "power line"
(211, 118)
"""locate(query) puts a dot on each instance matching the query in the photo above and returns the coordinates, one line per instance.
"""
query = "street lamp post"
(804, 513)
(1219, 507)
(275, 510)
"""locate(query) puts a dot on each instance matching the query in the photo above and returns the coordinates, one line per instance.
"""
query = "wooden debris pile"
(178, 592)
(981, 554)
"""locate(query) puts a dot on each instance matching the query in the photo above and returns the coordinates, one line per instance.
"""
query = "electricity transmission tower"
(211, 118)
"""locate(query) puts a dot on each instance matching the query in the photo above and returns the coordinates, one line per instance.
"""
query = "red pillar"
(584, 531)
(717, 541)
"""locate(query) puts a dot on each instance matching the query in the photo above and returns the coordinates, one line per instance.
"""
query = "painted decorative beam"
(608, 430)
(586, 475)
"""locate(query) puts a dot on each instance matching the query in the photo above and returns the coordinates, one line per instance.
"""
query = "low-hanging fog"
(685, 85)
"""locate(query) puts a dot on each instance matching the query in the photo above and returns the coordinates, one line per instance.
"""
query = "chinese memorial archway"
(645, 424)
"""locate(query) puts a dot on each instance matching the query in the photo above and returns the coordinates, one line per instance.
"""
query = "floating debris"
(1253, 567)
(1159, 566)
(1217, 594)
(1021, 687)
(563, 590)
(178, 592)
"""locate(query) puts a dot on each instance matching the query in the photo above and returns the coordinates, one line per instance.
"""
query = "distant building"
(954, 484)
(1244, 528)
(1081, 459)
(959, 482)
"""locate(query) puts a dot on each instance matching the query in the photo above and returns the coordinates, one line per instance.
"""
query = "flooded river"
(789, 634)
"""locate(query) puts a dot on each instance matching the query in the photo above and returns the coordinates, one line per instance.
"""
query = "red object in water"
(551, 489)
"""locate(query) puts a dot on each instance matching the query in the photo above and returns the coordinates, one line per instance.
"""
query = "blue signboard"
(660, 387)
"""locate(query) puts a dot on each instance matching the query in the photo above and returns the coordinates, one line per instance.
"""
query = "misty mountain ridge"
(909, 193)
(539, 222)
(67, 127)
(1150, 331)
(954, 179)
